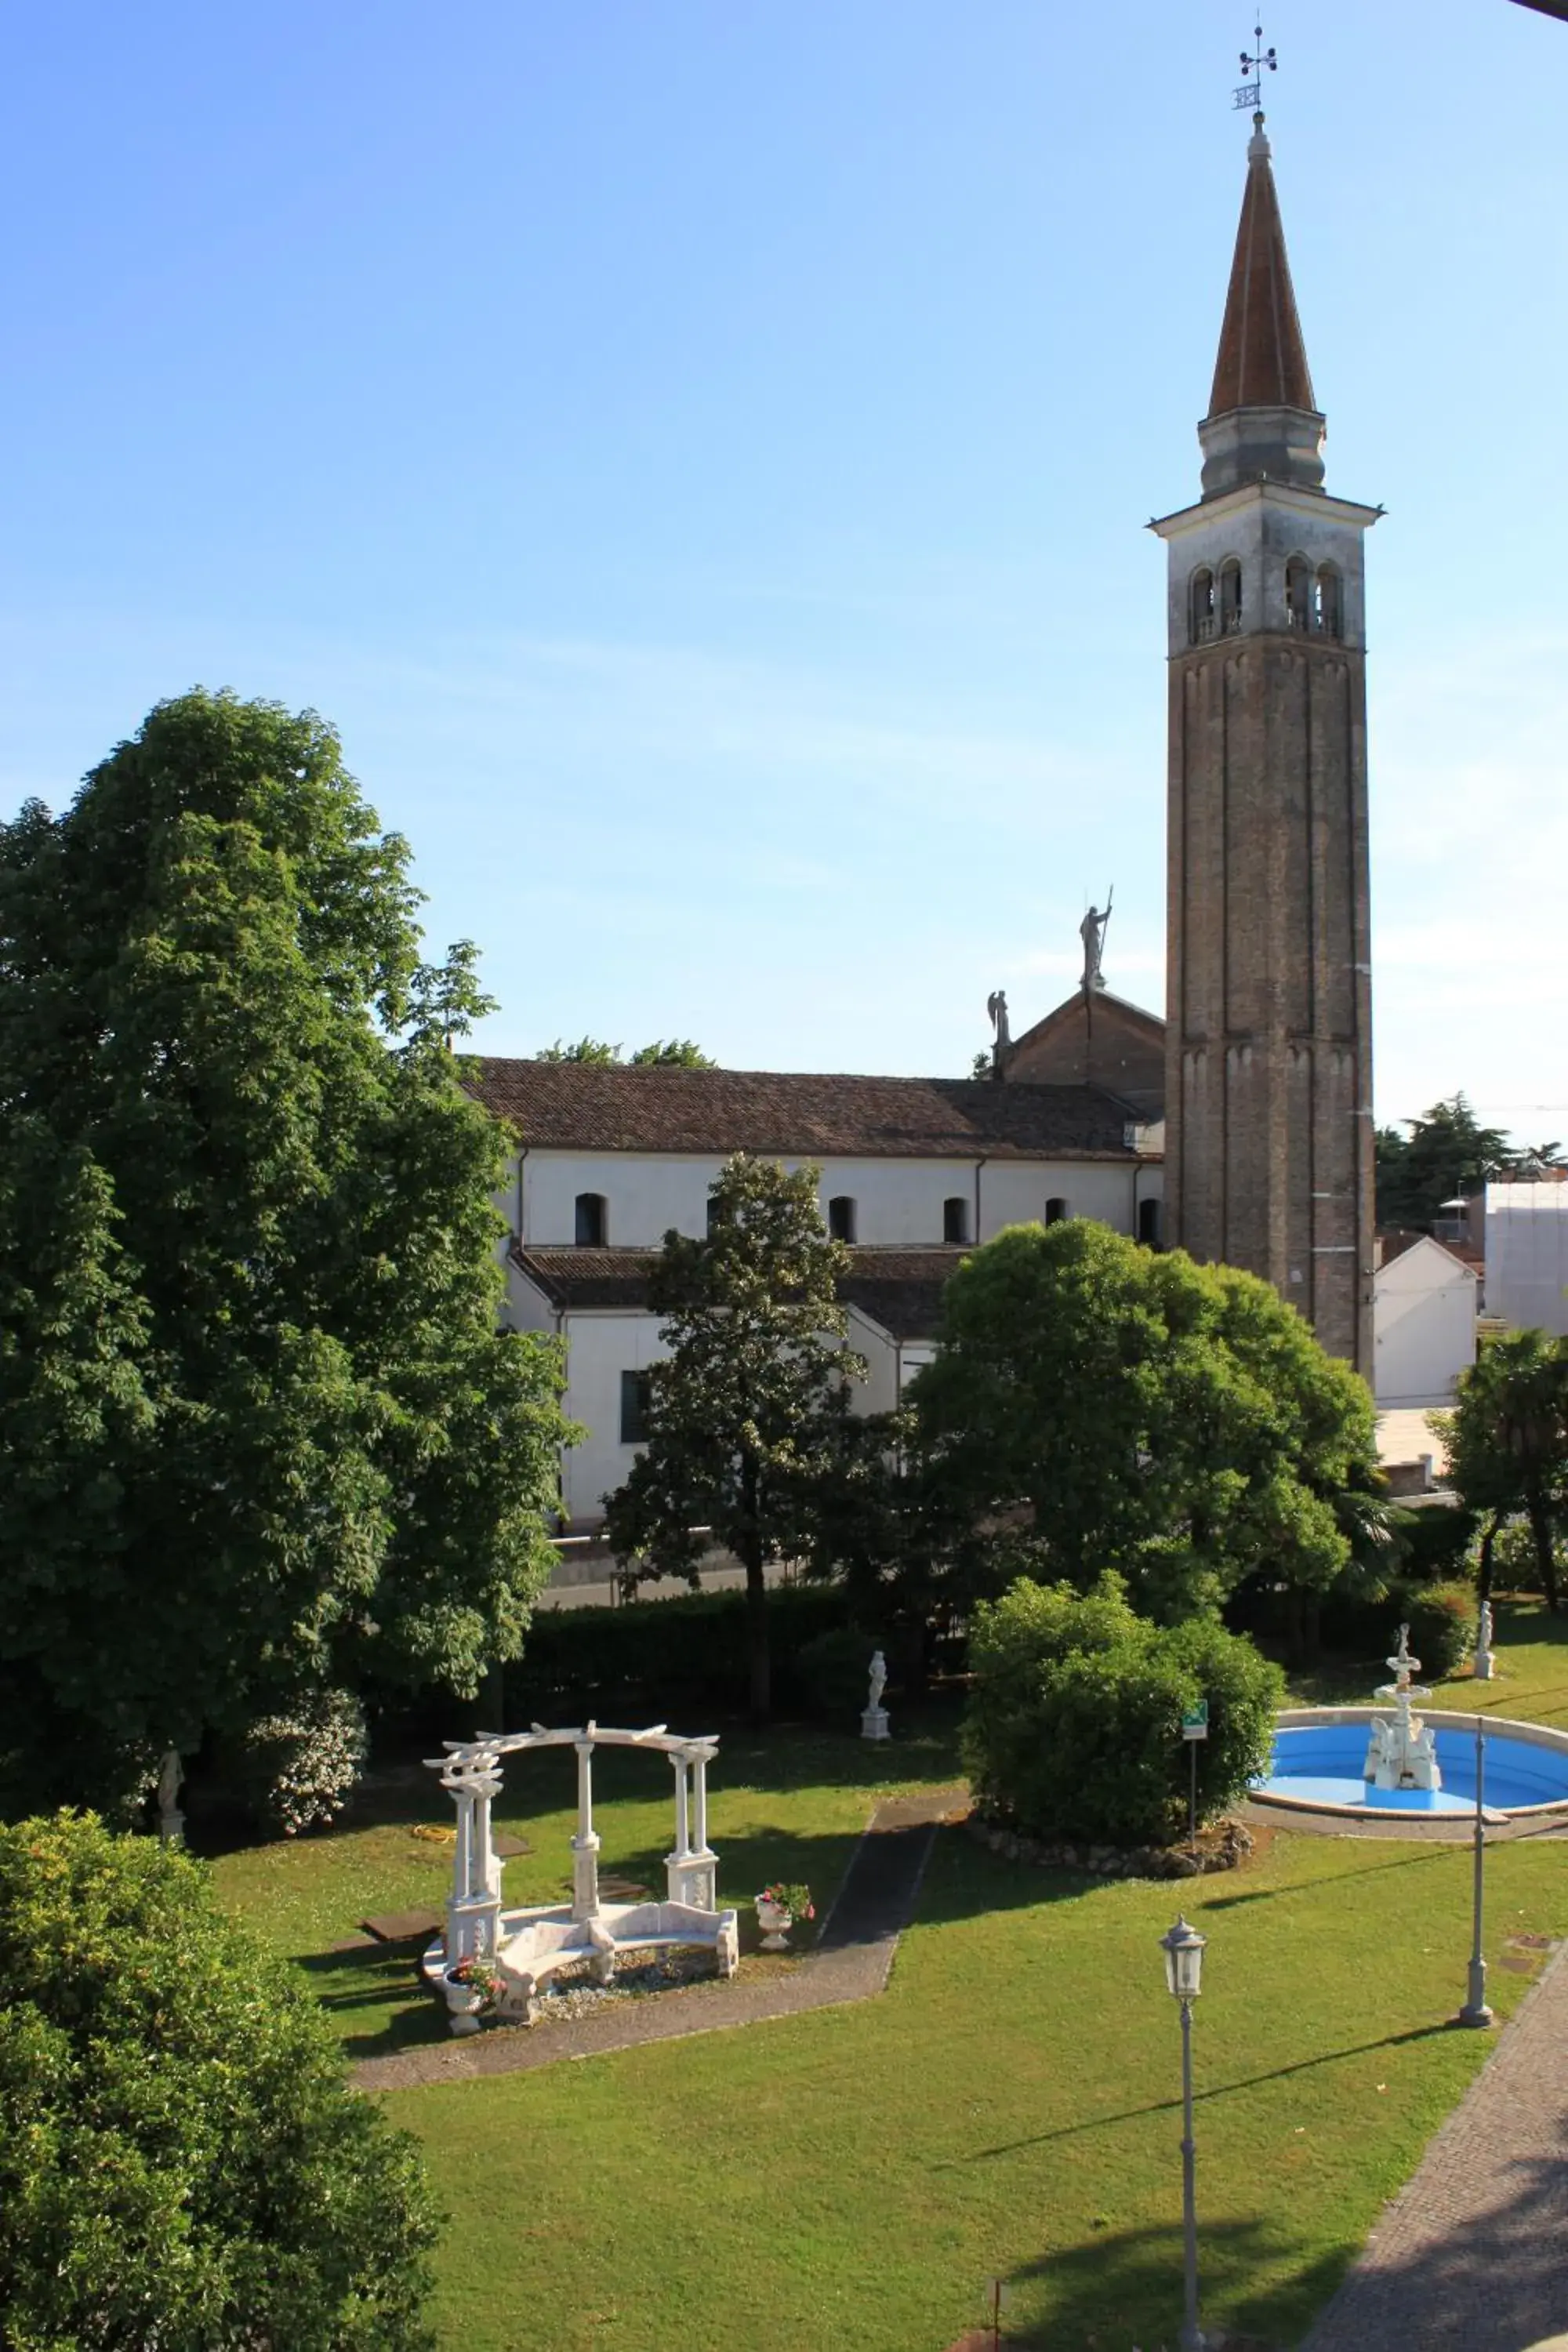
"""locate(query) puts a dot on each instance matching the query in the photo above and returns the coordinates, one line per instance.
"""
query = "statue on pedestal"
(873, 1715)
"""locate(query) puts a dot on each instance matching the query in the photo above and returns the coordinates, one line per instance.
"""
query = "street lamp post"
(1183, 1951)
(1476, 2010)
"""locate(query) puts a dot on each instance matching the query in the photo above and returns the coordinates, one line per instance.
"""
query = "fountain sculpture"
(1403, 1754)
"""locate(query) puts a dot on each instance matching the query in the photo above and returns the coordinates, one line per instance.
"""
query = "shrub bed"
(1074, 1727)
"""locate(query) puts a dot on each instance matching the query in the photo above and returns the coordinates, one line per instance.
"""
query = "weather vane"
(1250, 94)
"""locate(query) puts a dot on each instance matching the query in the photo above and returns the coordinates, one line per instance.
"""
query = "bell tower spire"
(1268, 1136)
(1263, 421)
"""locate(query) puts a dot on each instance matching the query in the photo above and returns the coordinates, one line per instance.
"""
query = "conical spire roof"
(1262, 360)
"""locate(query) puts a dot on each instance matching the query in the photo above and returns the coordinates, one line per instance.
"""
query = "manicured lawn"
(854, 2177)
(1529, 1680)
(1008, 2107)
(789, 1806)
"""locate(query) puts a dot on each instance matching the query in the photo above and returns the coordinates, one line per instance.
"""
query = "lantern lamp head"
(1183, 1951)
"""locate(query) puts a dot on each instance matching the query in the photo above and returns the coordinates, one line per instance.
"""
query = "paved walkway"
(1472, 2256)
(852, 1960)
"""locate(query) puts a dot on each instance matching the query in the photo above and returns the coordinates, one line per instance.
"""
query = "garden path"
(852, 1960)
(1470, 2257)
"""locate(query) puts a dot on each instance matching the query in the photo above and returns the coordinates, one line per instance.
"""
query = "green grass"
(789, 1806)
(1531, 1677)
(1007, 2108)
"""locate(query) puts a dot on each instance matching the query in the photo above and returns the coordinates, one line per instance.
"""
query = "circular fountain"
(1371, 1762)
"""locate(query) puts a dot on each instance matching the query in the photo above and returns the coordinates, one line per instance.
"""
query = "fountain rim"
(1306, 1719)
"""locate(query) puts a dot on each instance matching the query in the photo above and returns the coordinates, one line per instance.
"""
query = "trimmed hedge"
(1074, 1727)
(678, 1657)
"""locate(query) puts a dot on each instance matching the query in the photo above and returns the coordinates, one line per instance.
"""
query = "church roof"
(1262, 360)
(611, 1106)
(899, 1288)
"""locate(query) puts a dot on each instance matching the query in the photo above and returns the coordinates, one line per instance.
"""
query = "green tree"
(663, 1054)
(183, 2162)
(1113, 1407)
(1507, 1440)
(746, 1413)
(259, 1432)
(1447, 1155)
(1073, 1727)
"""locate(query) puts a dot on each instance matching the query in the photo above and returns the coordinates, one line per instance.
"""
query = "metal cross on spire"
(1250, 94)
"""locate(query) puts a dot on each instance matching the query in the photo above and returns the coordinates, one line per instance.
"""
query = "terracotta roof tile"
(1262, 360)
(596, 1107)
(899, 1288)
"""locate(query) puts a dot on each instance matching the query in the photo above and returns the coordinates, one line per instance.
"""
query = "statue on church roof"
(996, 1006)
(1091, 930)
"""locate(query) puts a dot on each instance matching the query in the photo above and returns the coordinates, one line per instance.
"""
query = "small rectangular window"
(633, 1408)
(592, 1224)
(1056, 1210)
(955, 1221)
(841, 1217)
(1149, 1223)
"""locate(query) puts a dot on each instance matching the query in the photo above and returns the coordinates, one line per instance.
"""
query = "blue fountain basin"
(1319, 1754)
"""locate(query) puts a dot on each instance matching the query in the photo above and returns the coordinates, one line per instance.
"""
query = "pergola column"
(676, 1865)
(586, 1845)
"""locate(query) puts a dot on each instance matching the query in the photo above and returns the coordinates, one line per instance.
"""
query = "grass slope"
(1010, 2106)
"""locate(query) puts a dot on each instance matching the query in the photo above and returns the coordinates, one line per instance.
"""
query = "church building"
(1239, 1128)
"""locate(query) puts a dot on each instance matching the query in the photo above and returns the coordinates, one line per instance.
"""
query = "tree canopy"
(746, 1415)
(183, 2162)
(663, 1054)
(1508, 1442)
(1446, 1156)
(258, 1428)
(1111, 1407)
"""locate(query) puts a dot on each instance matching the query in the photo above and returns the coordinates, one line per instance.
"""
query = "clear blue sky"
(698, 456)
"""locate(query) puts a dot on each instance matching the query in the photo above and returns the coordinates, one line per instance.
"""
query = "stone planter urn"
(775, 1923)
(464, 2003)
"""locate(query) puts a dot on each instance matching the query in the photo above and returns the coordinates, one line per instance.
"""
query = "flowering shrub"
(787, 1897)
(298, 1766)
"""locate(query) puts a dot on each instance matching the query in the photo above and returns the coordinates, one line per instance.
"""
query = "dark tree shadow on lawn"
(1205, 2097)
(1123, 2290)
(1435, 1852)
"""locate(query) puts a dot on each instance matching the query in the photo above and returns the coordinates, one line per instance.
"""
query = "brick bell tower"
(1268, 1140)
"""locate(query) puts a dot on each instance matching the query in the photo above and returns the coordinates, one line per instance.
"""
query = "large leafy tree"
(183, 2162)
(746, 1415)
(259, 1430)
(663, 1054)
(1101, 1405)
(1507, 1440)
(1447, 1155)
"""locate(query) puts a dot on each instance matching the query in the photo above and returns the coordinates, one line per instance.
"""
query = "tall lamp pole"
(1183, 1951)
(1476, 2010)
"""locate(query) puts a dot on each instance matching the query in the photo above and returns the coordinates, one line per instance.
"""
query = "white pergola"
(525, 1944)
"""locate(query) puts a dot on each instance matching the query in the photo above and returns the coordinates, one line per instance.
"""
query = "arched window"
(1149, 1223)
(841, 1217)
(1329, 608)
(1298, 594)
(592, 1223)
(1201, 613)
(1056, 1210)
(955, 1221)
(1230, 597)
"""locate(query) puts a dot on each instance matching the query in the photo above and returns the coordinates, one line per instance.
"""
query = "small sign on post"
(1195, 1727)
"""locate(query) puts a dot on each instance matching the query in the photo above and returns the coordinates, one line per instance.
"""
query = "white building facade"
(912, 1172)
(1424, 1322)
(1527, 1255)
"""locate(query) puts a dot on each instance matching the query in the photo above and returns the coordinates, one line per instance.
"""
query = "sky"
(698, 456)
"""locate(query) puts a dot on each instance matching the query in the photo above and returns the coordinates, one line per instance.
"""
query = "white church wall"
(1527, 1255)
(1423, 1327)
(898, 1202)
(602, 1344)
(879, 1392)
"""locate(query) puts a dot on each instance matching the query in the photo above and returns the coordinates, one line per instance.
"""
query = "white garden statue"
(874, 1715)
(1403, 1754)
